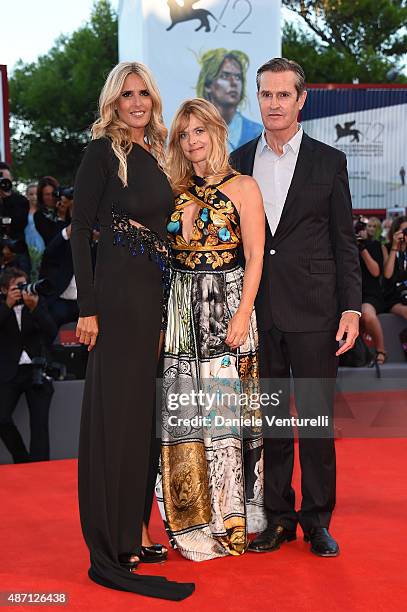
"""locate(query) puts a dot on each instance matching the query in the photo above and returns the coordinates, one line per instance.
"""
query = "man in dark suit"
(26, 329)
(308, 304)
(57, 267)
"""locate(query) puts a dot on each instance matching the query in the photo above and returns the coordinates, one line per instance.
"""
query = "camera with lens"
(40, 287)
(402, 289)
(42, 371)
(66, 192)
(359, 227)
(5, 183)
(5, 223)
(17, 246)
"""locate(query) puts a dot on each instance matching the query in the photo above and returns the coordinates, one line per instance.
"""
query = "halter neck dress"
(211, 488)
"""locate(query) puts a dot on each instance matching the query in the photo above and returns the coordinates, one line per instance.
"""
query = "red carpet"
(42, 548)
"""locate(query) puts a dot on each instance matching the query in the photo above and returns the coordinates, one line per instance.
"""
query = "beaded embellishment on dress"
(140, 240)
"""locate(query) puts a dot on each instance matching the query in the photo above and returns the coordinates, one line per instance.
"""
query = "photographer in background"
(395, 269)
(13, 220)
(371, 264)
(57, 267)
(374, 229)
(13, 255)
(50, 217)
(26, 328)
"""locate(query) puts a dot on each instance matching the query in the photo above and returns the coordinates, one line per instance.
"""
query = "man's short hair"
(10, 274)
(4, 166)
(281, 64)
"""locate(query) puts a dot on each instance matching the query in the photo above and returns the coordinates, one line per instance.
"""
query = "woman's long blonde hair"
(378, 227)
(108, 124)
(178, 167)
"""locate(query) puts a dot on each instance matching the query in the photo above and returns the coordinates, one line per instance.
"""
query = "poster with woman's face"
(223, 81)
(204, 48)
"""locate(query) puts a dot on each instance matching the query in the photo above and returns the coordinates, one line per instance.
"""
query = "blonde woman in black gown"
(121, 186)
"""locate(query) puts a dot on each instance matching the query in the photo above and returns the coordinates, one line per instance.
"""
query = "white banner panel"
(372, 133)
(204, 48)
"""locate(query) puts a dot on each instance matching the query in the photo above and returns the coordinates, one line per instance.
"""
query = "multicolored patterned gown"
(211, 493)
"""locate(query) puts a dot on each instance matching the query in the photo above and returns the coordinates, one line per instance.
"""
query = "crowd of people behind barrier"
(383, 259)
(35, 231)
(37, 295)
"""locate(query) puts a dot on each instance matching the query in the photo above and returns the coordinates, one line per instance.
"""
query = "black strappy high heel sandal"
(157, 553)
(380, 357)
(125, 561)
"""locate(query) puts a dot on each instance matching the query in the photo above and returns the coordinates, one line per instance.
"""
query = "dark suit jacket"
(47, 227)
(57, 264)
(311, 270)
(37, 331)
(15, 206)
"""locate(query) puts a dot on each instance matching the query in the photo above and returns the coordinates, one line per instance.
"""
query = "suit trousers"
(38, 400)
(310, 359)
(64, 311)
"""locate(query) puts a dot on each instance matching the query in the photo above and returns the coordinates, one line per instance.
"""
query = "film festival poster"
(206, 48)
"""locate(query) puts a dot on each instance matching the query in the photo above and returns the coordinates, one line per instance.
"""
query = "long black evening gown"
(125, 293)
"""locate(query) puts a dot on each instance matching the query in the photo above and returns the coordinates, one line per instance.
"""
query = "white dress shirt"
(24, 358)
(274, 174)
(71, 292)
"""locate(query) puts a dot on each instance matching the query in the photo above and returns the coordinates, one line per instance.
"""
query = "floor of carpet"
(42, 548)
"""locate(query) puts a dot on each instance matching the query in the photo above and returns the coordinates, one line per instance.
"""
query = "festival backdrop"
(369, 124)
(204, 48)
(4, 117)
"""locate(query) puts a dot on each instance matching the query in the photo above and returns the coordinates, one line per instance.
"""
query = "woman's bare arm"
(252, 225)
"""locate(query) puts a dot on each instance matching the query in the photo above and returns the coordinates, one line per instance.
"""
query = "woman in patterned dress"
(211, 490)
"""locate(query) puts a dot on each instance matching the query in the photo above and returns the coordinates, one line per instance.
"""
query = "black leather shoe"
(322, 543)
(157, 553)
(271, 539)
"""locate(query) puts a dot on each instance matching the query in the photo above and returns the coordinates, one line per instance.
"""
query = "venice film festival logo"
(359, 134)
(234, 14)
(347, 130)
